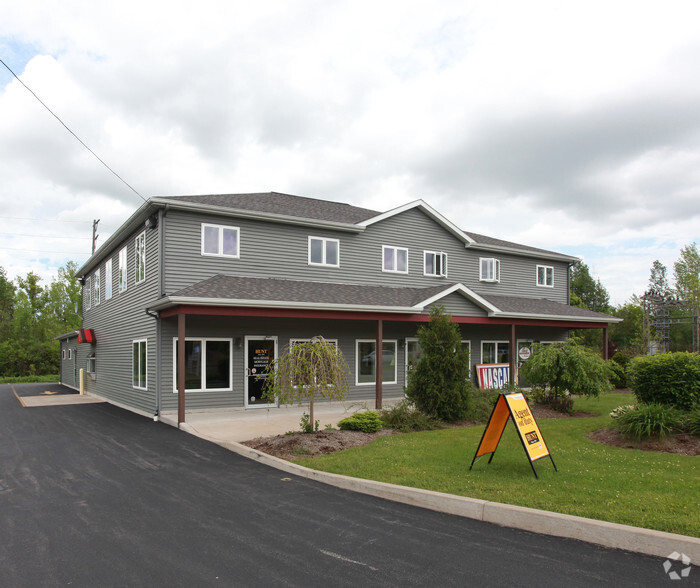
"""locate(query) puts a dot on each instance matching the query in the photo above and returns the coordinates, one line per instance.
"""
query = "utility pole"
(94, 234)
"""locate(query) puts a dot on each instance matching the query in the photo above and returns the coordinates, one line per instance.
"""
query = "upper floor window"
(545, 276)
(395, 259)
(96, 286)
(122, 269)
(87, 294)
(220, 240)
(324, 251)
(435, 263)
(108, 279)
(140, 254)
(489, 269)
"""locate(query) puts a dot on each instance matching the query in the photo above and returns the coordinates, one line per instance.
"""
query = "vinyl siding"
(121, 320)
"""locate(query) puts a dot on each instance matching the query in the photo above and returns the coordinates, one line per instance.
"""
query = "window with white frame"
(90, 364)
(63, 354)
(96, 287)
(87, 294)
(108, 279)
(366, 361)
(435, 263)
(489, 269)
(70, 353)
(220, 240)
(394, 259)
(545, 276)
(495, 352)
(139, 360)
(207, 364)
(324, 251)
(140, 256)
(122, 269)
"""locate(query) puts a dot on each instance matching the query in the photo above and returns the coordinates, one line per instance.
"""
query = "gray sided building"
(215, 287)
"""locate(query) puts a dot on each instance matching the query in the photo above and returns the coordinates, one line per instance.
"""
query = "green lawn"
(645, 489)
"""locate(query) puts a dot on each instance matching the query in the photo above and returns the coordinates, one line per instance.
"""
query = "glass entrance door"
(260, 352)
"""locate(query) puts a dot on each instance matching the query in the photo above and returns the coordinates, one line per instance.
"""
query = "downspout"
(156, 315)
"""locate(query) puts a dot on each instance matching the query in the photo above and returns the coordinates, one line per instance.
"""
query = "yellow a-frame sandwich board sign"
(515, 406)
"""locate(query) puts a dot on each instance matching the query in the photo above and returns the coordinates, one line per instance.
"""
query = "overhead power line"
(52, 220)
(43, 236)
(72, 133)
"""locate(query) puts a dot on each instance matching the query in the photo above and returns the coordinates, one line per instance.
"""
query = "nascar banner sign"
(493, 375)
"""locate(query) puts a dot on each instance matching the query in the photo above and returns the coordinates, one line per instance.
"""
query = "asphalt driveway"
(93, 495)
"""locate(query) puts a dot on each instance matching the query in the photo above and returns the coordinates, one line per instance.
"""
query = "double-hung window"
(489, 269)
(545, 276)
(207, 364)
(87, 294)
(435, 263)
(139, 355)
(96, 286)
(324, 251)
(108, 279)
(122, 269)
(395, 259)
(140, 255)
(495, 352)
(220, 240)
(366, 361)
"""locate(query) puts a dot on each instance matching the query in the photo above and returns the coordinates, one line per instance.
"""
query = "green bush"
(367, 422)
(621, 358)
(672, 379)
(692, 423)
(405, 417)
(617, 374)
(650, 421)
(481, 405)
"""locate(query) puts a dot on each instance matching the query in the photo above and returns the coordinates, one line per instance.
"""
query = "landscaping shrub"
(620, 410)
(439, 385)
(692, 424)
(672, 379)
(650, 420)
(481, 405)
(617, 374)
(367, 422)
(405, 417)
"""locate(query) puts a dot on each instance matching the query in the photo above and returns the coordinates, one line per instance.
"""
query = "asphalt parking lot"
(93, 495)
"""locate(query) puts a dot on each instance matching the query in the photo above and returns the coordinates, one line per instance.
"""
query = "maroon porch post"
(512, 355)
(180, 368)
(378, 363)
(605, 343)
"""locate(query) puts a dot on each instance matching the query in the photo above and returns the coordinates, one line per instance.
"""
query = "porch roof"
(234, 291)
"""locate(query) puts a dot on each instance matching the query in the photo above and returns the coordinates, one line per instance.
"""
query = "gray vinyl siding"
(278, 250)
(120, 321)
(69, 367)
(457, 305)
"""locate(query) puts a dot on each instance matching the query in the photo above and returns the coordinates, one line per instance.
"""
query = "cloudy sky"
(569, 126)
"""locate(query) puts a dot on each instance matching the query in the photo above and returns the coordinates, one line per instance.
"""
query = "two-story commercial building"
(192, 297)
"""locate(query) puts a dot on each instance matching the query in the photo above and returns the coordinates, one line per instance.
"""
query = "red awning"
(86, 336)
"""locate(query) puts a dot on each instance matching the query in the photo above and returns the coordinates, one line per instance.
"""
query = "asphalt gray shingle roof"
(318, 293)
(485, 240)
(541, 306)
(284, 204)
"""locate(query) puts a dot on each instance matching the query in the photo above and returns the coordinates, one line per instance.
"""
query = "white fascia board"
(427, 209)
(253, 215)
(556, 317)
(464, 291)
(182, 300)
(553, 256)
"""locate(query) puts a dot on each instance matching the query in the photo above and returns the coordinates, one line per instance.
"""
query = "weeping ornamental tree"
(306, 370)
(566, 366)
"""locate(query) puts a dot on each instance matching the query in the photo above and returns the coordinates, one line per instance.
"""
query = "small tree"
(566, 366)
(308, 369)
(439, 384)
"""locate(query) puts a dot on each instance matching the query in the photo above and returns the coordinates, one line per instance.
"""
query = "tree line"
(32, 315)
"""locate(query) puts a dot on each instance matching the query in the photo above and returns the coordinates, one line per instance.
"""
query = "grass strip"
(645, 489)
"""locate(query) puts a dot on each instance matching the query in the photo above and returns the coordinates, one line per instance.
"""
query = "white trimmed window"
(221, 240)
(545, 276)
(394, 259)
(495, 352)
(489, 269)
(366, 361)
(63, 354)
(122, 269)
(140, 255)
(96, 287)
(90, 364)
(87, 294)
(70, 353)
(207, 364)
(324, 251)
(139, 355)
(435, 263)
(108, 279)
